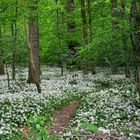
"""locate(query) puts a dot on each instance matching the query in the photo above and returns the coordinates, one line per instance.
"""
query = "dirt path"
(62, 120)
(63, 117)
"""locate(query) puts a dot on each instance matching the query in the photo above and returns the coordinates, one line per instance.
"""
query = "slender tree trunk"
(83, 13)
(135, 37)
(14, 35)
(71, 25)
(90, 18)
(62, 69)
(91, 34)
(125, 37)
(2, 72)
(58, 35)
(114, 35)
(2, 67)
(114, 14)
(57, 25)
(5, 61)
(14, 53)
(7, 74)
(32, 38)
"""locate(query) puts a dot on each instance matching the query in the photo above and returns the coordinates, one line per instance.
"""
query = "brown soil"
(63, 117)
(62, 120)
(26, 132)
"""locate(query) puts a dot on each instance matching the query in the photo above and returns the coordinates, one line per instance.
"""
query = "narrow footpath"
(63, 118)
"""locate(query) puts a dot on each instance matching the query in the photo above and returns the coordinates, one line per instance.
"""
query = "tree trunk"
(2, 67)
(58, 36)
(135, 37)
(114, 14)
(125, 38)
(83, 13)
(138, 78)
(90, 18)
(7, 74)
(32, 38)
(14, 62)
(34, 41)
(114, 35)
(72, 44)
(90, 29)
(2, 72)
(14, 35)
(57, 25)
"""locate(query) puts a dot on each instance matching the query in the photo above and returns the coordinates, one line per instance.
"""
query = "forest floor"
(75, 105)
(61, 123)
(62, 118)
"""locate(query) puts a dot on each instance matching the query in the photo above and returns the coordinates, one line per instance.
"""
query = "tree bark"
(2, 72)
(2, 67)
(58, 35)
(90, 18)
(135, 37)
(114, 7)
(125, 37)
(114, 14)
(84, 23)
(14, 36)
(32, 38)
(57, 25)
(7, 74)
(71, 25)
(14, 52)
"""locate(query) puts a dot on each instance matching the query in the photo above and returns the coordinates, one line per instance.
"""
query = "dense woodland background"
(75, 35)
(84, 33)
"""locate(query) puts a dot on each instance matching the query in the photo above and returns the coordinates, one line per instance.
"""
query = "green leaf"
(38, 126)
(89, 126)
(138, 1)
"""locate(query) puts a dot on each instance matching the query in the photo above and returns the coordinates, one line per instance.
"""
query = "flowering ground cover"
(106, 102)
(21, 100)
(109, 109)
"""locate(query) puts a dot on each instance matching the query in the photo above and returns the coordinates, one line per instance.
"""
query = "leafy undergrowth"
(21, 100)
(108, 103)
(109, 110)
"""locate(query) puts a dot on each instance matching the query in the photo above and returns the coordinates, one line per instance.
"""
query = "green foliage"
(53, 18)
(138, 1)
(37, 129)
(90, 126)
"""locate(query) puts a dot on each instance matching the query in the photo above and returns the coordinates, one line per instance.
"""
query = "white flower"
(1, 132)
(103, 130)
